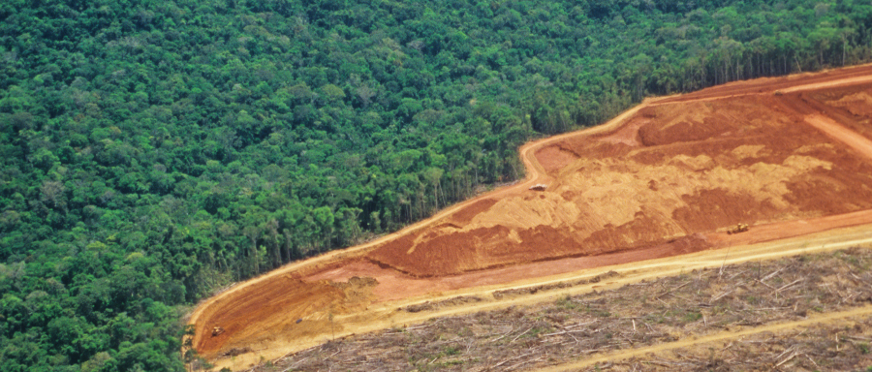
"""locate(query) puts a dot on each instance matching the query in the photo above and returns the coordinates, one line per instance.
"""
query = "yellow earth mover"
(217, 331)
(739, 228)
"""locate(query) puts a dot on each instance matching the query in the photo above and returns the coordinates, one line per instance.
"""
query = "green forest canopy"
(153, 151)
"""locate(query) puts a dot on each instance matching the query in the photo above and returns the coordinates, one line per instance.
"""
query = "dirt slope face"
(667, 177)
(672, 172)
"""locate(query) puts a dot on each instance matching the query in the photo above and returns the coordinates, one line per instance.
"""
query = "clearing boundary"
(382, 314)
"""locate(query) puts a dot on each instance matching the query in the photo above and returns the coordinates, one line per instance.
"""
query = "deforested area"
(841, 345)
(678, 309)
(750, 162)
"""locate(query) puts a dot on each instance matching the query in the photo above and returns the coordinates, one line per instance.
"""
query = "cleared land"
(789, 157)
(799, 313)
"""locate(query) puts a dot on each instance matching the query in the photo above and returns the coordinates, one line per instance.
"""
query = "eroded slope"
(674, 171)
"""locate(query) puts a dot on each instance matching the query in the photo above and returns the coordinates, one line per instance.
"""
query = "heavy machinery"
(217, 331)
(739, 228)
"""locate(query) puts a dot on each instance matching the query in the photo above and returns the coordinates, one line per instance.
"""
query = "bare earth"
(808, 312)
(666, 178)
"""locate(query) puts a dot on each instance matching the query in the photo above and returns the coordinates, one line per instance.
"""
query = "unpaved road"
(789, 84)
(859, 143)
(694, 304)
(388, 315)
(383, 314)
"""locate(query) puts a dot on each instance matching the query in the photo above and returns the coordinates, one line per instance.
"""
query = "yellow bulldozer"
(739, 228)
(217, 331)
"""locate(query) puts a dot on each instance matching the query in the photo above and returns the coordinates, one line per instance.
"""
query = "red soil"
(285, 295)
(671, 171)
(667, 179)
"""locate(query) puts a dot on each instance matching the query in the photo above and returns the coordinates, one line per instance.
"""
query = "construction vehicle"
(739, 228)
(217, 331)
(539, 187)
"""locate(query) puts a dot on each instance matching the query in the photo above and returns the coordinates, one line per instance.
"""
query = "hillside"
(155, 151)
(667, 180)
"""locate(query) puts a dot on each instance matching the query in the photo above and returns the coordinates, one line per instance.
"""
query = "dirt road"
(684, 307)
(261, 314)
(388, 315)
(859, 143)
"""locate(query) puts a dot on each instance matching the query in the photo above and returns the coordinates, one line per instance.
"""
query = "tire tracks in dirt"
(838, 132)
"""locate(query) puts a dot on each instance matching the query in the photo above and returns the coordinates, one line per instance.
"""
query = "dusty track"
(261, 314)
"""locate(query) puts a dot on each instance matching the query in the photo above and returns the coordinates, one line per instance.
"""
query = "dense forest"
(153, 151)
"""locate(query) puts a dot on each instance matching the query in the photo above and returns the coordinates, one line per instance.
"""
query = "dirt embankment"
(669, 177)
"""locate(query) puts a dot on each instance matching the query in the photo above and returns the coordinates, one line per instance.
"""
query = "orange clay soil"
(788, 156)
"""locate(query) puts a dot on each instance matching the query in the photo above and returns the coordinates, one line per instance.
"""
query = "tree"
(433, 175)
(252, 232)
(323, 216)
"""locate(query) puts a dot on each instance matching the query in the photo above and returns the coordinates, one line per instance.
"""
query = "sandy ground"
(665, 178)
